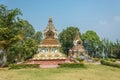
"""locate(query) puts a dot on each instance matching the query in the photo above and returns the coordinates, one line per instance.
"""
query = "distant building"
(77, 50)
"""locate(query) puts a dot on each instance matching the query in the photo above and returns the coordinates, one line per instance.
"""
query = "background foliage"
(19, 40)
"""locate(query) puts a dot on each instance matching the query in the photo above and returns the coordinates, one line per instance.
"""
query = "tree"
(92, 42)
(112, 49)
(27, 46)
(25, 29)
(18, 39)
(38, 36)
(8, 25)
(66, 38)
(107, 47)
(116, 49)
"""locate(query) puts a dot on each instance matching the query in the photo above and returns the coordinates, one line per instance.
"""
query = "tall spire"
(77, 37)
(50, 23)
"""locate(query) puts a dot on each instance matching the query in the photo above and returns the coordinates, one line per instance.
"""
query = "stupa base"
(47, 61)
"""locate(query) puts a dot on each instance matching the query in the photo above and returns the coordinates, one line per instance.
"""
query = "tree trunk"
(4, 59)
(19, 57)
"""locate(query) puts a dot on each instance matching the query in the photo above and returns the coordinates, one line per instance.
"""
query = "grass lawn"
(92, 72)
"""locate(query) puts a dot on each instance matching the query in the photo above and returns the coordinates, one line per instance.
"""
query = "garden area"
(20, 41)
(90, 72)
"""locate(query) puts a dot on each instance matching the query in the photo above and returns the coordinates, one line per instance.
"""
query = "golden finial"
(50, 23)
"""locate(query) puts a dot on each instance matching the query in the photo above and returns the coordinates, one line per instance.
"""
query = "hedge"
(111, 59)
(72, 65)
(109, 63)
(20, 66)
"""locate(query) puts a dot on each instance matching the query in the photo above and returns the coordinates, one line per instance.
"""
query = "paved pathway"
(118, 62)
(95, 63)
(48, 66)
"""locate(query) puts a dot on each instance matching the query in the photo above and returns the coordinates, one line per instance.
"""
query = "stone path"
(48, 66)
(95, 63)
(118, 62)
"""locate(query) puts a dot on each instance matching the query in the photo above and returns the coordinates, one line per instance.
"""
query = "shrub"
(96, 59)
(20, 66)
(79, 59)
(72, 65)
(109, 63)
(111, 59)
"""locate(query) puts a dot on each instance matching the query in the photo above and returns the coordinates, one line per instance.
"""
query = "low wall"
(47, 62)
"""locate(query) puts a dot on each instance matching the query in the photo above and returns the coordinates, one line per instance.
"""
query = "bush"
(79, 59)
(96, 59)
(20, 66)
(111, 59)
(109, 63)
(72, 65)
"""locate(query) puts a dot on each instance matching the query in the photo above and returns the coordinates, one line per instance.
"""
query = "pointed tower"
(77, 40)
(49, 48)
(49, 34)
(50, 23)
(78, 48)
(77, 36)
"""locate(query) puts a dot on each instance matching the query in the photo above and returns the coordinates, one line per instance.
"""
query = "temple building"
(77, 50)
(49, 48)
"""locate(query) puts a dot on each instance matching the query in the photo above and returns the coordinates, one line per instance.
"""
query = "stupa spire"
(50, 25)
(77, 39)
(77, 36)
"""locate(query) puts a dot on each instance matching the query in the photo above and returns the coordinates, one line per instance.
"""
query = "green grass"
(92, 72)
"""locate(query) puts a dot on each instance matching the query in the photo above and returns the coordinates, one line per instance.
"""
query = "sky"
(101, 16)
